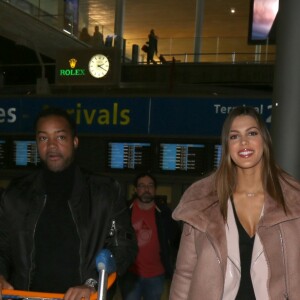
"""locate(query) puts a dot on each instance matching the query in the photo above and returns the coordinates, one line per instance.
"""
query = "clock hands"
(100, 66)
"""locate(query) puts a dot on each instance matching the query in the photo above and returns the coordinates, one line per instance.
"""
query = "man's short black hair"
(141, 175)
(56, 111)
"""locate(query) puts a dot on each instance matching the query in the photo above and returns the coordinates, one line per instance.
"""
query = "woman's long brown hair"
(226, 173)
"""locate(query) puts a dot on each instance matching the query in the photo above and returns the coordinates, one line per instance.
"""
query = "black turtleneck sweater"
(56, 256)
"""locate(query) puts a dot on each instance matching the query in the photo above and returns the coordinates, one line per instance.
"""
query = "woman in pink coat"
(241, 235)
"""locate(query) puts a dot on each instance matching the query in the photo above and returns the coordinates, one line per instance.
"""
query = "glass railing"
(46, 11)
(58, 15)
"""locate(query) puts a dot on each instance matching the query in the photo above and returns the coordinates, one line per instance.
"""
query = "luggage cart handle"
(18, 294)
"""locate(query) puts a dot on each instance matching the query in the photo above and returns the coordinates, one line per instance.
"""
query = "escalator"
(27, 30)
(29, 46)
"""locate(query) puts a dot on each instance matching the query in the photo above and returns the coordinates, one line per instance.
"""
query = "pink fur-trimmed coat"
(208, 252)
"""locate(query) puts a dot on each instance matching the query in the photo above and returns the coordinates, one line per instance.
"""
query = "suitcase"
(145, 48)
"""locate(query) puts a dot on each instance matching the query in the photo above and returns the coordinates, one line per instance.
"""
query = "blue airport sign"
(178, 116)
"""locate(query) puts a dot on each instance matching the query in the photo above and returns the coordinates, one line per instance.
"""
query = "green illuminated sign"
(72, 72)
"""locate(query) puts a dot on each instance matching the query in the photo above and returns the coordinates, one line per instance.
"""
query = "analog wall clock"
(99, 65)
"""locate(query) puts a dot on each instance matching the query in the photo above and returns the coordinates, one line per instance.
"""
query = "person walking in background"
(152, 47)
(85, 36)
(158, 239)
(97, 39)
(241, 224)
(55, 221)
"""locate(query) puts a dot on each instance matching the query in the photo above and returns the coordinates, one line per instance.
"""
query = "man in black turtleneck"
(54, 222)
(57, 225)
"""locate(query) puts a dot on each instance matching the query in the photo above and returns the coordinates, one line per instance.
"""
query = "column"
(285, 126)
(198, 28)
(119, 23)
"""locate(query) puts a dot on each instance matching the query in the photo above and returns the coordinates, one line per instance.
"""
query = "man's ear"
(76, 142)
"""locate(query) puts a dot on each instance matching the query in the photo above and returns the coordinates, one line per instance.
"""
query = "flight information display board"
(129, 155)
(25, 153)
(3, 153)
(182, 157)
(217, 155)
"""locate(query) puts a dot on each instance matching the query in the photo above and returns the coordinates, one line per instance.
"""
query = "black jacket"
(99, 212)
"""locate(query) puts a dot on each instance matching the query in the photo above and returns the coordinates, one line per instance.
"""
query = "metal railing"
(213, 49)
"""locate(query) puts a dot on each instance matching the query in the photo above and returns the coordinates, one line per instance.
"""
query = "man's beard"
(146, 198)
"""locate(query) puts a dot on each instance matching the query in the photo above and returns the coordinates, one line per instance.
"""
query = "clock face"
(98, 65)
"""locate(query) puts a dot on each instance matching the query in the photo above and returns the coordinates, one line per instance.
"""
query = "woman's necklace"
(250, 194)
(253, 194)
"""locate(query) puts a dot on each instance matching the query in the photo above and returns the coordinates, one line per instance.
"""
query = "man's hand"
(81, 292)
(4, 285)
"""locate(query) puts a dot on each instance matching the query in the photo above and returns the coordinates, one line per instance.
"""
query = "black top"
(246, 291)
(56, 239)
